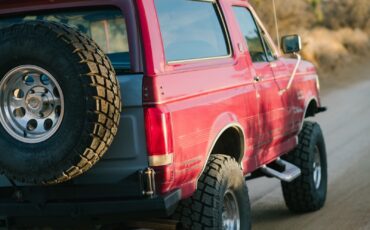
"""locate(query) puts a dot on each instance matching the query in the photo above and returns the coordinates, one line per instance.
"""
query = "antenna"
(276, 24)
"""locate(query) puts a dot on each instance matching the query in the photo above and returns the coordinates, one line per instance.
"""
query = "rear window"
(106, 27)
(191, 30)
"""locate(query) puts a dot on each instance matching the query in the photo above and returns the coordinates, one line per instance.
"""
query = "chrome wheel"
(230, 212)
(317, 168)
(31, 104)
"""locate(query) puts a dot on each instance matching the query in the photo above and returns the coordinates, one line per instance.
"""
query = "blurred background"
(335, 33)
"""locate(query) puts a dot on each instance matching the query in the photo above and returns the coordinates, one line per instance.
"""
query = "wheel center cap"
(34, 102)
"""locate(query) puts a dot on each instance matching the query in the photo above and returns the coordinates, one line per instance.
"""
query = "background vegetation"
(334, 32)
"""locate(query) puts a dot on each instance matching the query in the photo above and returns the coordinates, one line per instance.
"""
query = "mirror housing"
(291, 44)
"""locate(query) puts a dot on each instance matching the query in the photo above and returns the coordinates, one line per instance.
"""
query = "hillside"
(334, 32)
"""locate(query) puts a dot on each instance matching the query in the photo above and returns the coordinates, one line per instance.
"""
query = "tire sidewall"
(232, 179)
(301, 195)
(317, 140)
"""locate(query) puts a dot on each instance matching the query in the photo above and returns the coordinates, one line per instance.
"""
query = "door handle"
(257, 79)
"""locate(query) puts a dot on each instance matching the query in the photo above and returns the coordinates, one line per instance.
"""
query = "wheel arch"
(230, 141)
(229, 135)
(311, 108)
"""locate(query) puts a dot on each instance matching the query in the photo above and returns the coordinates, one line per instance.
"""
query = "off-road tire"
(301, 195)
(91, 96)
(204, 209)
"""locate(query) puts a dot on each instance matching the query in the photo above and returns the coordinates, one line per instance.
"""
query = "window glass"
(269, 50)
(251, 34)
(191, 30)
(105, 27)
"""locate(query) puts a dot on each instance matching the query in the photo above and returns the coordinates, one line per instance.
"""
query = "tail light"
(158, 128)
(159, 136)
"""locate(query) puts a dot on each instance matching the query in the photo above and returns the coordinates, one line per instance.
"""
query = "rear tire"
(221, 195)
(85, 106)
(307, 193)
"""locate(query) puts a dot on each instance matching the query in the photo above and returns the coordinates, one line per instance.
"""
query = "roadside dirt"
(345, 75)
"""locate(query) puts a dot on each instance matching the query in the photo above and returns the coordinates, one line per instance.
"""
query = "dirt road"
(346, 126)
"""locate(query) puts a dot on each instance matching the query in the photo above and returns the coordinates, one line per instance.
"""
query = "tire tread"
(300, 195)
(103, 99)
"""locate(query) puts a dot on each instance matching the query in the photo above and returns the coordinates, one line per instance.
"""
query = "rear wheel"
(221, 200)
(307, 193)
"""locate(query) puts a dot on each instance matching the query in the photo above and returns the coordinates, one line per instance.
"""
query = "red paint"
(205, 96)
(189, 104)
(158, 131)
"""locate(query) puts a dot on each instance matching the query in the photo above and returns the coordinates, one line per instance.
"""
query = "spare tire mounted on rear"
(59, 103)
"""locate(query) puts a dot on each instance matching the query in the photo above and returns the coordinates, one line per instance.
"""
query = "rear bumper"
(156, 206)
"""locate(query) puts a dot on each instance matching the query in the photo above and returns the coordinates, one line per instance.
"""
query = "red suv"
(155, 107)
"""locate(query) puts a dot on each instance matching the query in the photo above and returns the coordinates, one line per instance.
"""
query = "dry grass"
(331, 48)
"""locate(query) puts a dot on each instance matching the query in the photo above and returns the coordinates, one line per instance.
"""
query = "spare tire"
(59, 102)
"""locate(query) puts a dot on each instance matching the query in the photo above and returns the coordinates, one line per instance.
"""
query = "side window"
(191, 30)
(251, 34)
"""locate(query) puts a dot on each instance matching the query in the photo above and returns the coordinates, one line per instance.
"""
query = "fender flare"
(307, 103)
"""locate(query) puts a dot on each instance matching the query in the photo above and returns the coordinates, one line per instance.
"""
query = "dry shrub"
(347, 13)
(328, 49)
(292, 14)
(355, 40)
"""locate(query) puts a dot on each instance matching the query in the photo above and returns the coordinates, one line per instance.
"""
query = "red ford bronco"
(152, 107)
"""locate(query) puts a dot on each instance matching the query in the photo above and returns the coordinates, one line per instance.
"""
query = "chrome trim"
(290, 172)
(198, 59)
(147, 181)
(213, 1)
(160, 160)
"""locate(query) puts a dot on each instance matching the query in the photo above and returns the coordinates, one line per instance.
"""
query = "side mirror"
(291, 44)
